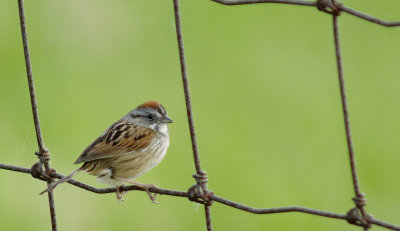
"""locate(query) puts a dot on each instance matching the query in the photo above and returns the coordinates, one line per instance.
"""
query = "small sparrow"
(128, 148)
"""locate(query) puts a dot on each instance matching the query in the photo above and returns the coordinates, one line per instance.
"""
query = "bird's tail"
(62, 180)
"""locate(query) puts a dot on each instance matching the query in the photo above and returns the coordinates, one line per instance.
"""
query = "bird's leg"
(120, 193)
(62, 180)
(145, 187)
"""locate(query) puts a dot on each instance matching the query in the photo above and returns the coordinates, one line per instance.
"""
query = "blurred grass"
(265, 97)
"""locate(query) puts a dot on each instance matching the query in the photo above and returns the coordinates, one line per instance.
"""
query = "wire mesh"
(199, 192)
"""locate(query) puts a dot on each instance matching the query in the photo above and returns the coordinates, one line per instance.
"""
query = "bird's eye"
(149, 116)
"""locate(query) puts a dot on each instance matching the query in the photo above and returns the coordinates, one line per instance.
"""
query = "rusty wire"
(215, 198)
(43, 154)
(199, 193)
(359, 194)
(309, 3)
(201, 176)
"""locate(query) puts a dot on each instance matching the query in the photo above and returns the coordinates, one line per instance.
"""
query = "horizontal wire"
(245, 2)
(94, 189)
(278, 210)
(309, 3)
(369, 18)
(214, 197)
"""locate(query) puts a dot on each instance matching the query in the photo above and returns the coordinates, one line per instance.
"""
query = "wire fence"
(199, 192)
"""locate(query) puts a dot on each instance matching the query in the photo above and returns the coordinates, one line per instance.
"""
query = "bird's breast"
(134, 164)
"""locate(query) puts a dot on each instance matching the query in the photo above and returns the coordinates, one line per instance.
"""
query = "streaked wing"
(121, 138)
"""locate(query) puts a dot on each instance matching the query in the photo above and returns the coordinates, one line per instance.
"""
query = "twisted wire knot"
(201, 178)
(354, 215)
(199, 192)
(37, 170)
(360, 200)
(329, 6)
(43, 156)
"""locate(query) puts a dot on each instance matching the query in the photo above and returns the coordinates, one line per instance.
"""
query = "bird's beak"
(166, 120)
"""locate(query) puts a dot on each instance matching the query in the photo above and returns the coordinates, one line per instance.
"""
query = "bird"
(128, 148)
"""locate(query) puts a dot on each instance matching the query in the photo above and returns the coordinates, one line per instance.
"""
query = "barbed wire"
(199, 192)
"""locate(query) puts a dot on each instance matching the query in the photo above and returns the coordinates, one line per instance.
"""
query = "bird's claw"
(147, 188)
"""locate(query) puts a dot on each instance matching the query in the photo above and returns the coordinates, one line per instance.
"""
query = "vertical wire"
(42, 149)
(346, 116)
(189, 105)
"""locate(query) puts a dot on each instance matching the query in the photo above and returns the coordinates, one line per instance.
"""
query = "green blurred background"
(265, 99)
